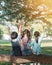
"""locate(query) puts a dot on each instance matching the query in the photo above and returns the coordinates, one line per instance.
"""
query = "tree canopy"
(27, 10)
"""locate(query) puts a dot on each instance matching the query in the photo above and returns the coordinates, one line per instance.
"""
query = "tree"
(27, 10)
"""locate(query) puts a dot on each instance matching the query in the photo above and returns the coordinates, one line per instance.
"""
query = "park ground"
(5, 48)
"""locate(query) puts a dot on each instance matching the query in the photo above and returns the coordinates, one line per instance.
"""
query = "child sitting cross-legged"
(16, 47)
(36, 43)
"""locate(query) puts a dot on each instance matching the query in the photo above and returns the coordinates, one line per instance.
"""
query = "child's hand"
(30, 47)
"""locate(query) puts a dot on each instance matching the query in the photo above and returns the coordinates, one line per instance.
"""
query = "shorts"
(16, 51)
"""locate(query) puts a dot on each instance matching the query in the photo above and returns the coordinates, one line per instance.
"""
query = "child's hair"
(14, 35)
(36, 34)
(26, 31)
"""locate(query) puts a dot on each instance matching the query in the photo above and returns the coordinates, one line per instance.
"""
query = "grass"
(46, 50)
(5, 48)
(4, 42)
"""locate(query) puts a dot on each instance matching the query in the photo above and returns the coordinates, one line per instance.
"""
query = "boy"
(16, 49)
(35, 44)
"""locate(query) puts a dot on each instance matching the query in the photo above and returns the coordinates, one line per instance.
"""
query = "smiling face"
(36, 35)
(26, 35)
(14, 35)
(25, 38)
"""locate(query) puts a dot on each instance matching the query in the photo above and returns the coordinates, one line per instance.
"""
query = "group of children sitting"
(24, 44)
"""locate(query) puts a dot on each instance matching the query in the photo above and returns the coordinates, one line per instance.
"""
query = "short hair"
(14, 35)
(36, 34)
(26, 31)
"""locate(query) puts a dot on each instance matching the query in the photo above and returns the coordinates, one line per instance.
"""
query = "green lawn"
(5, 48)
(4, 42)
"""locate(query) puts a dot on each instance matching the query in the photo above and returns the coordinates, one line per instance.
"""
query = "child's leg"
(38, 63)
(34, 63)
(31, 63)
(13, 63)
(22, 64)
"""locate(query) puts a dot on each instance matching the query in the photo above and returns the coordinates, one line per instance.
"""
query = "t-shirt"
(26, 50)
(15, 42)
(36, 46)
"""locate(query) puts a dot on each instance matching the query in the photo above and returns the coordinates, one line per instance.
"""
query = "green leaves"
(19, 9)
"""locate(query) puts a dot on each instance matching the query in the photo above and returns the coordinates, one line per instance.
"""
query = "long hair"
(26, 31)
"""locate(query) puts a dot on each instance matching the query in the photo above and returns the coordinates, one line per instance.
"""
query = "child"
(35, 44)
(26, 38)
(16, 49)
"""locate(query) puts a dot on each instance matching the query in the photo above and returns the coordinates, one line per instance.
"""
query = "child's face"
(25, 38)
(36, 35)
(36, 39)
(14, 35)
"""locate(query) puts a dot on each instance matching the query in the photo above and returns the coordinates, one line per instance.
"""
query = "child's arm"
(32, 46)
(41, 37)
(22, 46)
(20, 29)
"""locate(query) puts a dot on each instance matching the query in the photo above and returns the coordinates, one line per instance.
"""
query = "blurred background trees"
(1, 34)
(29, 11)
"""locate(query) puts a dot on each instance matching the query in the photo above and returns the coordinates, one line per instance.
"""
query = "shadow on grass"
(46, 50)
(7, 50)
(5, 63)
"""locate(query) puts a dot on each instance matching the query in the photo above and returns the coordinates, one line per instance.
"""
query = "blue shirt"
(36, 46)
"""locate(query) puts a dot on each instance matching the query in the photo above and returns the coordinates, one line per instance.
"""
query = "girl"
(16, 49)
(26, 38)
